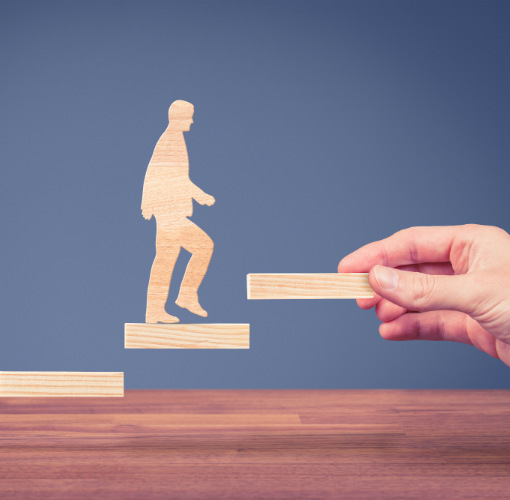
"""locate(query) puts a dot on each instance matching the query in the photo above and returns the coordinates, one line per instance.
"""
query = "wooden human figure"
(168, 194)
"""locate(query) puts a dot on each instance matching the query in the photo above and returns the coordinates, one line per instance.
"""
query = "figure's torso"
(169, 180)
(171, 151)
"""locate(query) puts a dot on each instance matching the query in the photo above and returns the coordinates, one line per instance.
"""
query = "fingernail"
(386, 277)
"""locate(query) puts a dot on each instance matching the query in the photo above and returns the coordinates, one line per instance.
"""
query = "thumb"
(422, 292)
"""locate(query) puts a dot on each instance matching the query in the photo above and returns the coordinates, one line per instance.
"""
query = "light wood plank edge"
(187, 336)
(279, 286)
(61, 384)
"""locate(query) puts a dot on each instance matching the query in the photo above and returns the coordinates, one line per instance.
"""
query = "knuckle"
(470, 229)
(473, 227)
(423, 290)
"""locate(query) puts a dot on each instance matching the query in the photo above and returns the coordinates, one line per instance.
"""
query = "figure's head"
(180, 115)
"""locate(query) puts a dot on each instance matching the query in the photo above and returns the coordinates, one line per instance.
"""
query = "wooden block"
(309, 286)
(62, 384)
(187, 336)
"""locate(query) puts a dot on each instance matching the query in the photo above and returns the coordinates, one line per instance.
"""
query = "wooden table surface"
(231, 444)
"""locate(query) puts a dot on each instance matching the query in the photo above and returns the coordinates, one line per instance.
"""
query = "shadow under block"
(309, 286)
(187, 336)
(62, 384)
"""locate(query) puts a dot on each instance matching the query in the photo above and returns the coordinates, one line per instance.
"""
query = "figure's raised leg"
(167, 251)
(200, 245)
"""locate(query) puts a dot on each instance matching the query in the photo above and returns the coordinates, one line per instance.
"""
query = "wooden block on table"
(309, 286)
(61, 384)
(187, 336)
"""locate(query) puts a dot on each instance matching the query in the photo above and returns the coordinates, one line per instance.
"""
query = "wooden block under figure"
(187, 336)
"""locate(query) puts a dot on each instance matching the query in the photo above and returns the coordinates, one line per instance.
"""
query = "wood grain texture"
(187, 336)
(194, 444)
(168, 195)
(309, 286)
(61, 384)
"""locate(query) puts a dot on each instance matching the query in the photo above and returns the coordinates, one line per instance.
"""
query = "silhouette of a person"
(168, 194)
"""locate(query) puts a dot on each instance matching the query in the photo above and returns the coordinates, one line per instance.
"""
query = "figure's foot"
(191, 304)
(160, 317)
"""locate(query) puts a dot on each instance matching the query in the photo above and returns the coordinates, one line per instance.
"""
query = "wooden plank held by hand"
(309, 286)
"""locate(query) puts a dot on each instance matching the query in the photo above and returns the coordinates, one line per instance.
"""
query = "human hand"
(440, 283)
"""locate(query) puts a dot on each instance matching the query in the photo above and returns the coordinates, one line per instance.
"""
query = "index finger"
(409, 246)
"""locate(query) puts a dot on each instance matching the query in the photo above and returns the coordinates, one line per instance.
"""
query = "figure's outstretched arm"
(201, 196)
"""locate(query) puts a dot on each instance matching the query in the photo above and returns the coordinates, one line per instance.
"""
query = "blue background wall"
(319, 126)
